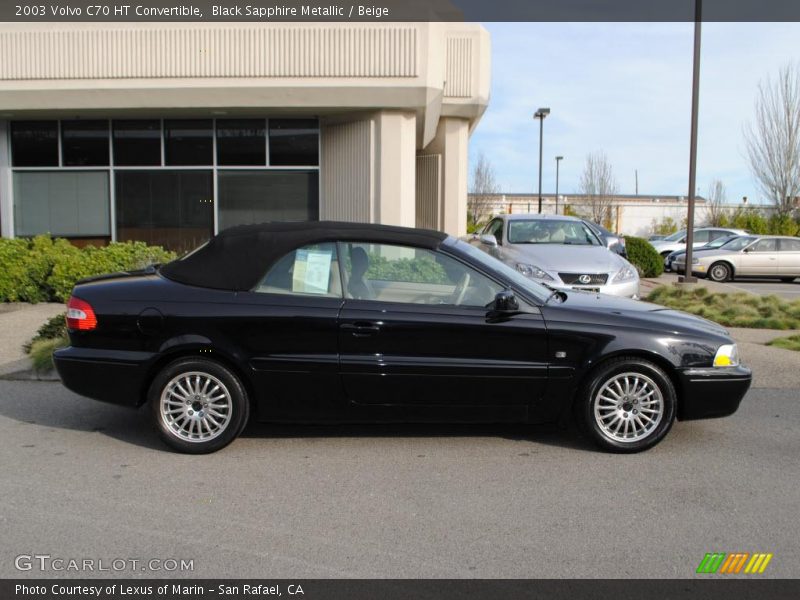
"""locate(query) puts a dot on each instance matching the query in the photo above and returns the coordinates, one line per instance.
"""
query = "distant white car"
(558, 251)
(677, 241)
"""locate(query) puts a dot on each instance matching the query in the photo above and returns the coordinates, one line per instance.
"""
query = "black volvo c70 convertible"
(344, 322)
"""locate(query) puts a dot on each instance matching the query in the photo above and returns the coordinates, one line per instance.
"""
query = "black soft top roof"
(237, 258)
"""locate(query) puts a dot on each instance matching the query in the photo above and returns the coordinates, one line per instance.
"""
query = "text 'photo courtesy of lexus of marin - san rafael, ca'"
(345, 322)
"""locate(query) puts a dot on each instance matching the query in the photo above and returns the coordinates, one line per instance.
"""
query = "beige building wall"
(385, 93)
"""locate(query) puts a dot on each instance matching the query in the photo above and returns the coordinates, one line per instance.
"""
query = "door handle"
(361, 328)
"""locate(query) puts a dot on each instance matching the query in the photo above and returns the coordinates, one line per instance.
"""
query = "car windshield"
(738, 243)
(719, 242)
(542, 231)
(675, 236)
(517, 279)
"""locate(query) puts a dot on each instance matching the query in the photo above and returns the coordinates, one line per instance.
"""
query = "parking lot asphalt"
(81, 479)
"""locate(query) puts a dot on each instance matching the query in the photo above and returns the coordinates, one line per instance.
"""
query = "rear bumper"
(109, 376)
(712, 392)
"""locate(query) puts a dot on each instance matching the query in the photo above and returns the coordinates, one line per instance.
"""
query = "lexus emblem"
(585, 279)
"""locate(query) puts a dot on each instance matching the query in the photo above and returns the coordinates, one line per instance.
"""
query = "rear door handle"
(361, 328)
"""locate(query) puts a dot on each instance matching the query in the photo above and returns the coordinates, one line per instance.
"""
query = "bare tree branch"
(715, 203)
(599, 185)
(773, 139)
(483, 191)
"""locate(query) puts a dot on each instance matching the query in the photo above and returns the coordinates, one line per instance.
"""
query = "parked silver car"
(561, 252)
(749, 256)
(677, 241)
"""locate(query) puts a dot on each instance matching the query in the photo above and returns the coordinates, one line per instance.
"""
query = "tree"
(599, 186)
(773, 138)
(716, 212)
(483, 191)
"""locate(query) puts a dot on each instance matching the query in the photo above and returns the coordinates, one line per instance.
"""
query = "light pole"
(541, 114)
(558, 161)
(698, 19)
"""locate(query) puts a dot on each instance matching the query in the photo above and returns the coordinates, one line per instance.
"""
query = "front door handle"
(361, 328)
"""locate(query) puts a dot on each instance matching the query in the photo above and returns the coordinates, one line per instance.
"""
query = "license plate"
(586, 289)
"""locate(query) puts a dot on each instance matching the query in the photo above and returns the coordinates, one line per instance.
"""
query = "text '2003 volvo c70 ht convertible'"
(344, 322)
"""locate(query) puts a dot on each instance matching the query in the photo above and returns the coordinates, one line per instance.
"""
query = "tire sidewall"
(240, 408)
(606, 372)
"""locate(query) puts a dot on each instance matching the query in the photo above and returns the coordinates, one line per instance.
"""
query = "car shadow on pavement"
(133, 426)
(548, 435)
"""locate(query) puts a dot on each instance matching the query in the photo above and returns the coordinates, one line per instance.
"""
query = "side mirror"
(505, 301)
(489, 239)
(748, 249)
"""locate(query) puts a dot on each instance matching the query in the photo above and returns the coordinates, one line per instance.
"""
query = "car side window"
(701, 237)
(390, 273)
(790, 245)
(765, 246)
(308, 271)
(715, 234)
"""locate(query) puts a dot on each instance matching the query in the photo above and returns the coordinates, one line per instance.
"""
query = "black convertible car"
(344, 322)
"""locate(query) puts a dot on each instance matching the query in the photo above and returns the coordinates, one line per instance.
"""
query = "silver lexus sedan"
(561, 252)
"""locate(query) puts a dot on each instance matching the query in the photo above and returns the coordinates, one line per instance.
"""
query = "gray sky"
(625, 88)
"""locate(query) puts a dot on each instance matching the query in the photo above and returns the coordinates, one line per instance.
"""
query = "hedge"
(644, 257)
(45, 269)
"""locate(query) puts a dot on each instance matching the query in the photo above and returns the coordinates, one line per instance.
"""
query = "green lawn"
(731, 310)
(790, 343)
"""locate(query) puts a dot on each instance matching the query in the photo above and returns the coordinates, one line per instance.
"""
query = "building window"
(188, 142)
(257, 196)
(137, 143)
(84, 143)
(173, 209)
(62, 203)
(293, 142)
(241, 142)
(34, 143)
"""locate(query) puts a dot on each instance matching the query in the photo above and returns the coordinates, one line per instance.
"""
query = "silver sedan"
(561, 252)
(751, 256)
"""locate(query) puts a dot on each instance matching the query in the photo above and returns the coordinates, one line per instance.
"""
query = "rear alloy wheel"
(198, 405)
(628, 406)
(719, 272)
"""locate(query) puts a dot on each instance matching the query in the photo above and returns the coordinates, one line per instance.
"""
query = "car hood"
(715, 253)
(566, 258)
(645, 313)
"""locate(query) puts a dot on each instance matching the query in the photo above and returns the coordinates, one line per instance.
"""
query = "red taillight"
(80, 315)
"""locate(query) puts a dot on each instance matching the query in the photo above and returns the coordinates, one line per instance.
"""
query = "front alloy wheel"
(198, 405)
(629, 405)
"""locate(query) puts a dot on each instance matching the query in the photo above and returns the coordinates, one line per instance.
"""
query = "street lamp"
(558, 161)
(541, 114)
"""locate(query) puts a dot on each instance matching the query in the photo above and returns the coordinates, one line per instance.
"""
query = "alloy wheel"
(196, 406)
(629, 407)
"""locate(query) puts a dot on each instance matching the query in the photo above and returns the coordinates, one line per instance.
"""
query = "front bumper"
(114, 376)
(712, 391)
(627, 289)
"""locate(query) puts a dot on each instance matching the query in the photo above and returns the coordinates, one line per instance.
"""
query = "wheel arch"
(194, 350)
(591, 367)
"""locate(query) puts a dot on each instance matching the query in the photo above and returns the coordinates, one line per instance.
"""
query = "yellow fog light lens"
(727, 356)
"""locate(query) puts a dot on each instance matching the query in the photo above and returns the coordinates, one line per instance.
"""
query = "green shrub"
(41, 352)
(55, 327)
(731, 310)
(418, 270)
(666, 226)
(644, 257)
(44, 269)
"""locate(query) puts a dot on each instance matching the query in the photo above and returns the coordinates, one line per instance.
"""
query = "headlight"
(727, 356)
(533, 271)
(626, 273)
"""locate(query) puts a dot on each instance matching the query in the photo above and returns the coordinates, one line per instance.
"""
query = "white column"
(451, 141)
(6, 193)
(395, 166)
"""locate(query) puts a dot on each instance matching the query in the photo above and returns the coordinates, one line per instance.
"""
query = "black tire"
(666, 253)
(788, 279)
(720, 272)
(588, 401)
(232, 418)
